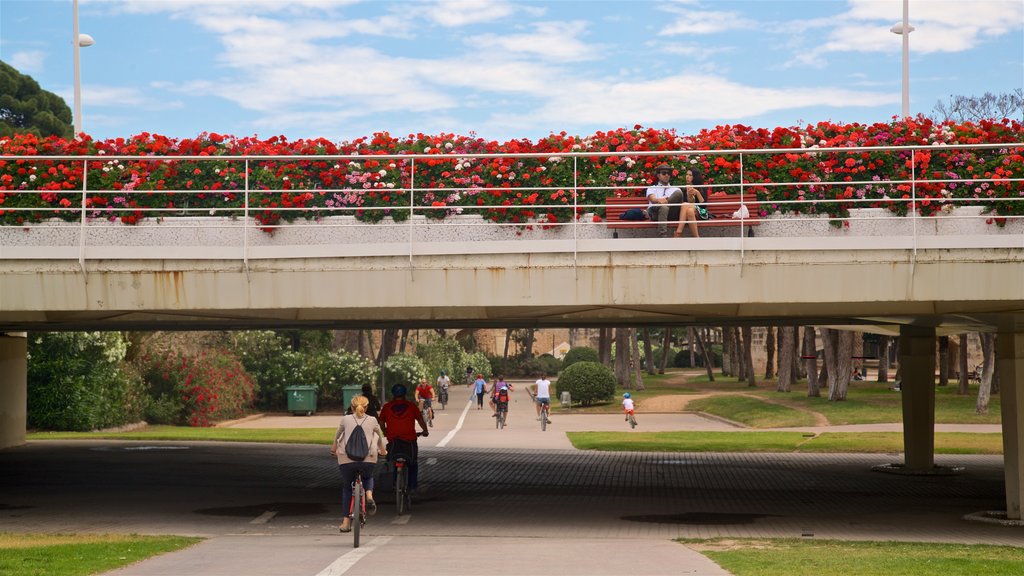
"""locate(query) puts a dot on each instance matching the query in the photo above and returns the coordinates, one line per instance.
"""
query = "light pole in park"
(79, 41)
(904, 29)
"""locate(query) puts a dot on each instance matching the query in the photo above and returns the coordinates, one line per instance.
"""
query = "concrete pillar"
(1010, 363)
(13, 388)
(917, 370)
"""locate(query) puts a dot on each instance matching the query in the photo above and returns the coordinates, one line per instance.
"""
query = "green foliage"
(588, 382)
(76, 381)
(442, 353)
(80, 555)
(480, 363)
(682, 357)
(403, 369)
(271, 362)
(579, 354)
(329, 371)
(308, 341)
(27, 108)
(195, 390)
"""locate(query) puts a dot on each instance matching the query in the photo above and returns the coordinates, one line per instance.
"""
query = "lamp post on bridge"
(904, 29)
(78, 41)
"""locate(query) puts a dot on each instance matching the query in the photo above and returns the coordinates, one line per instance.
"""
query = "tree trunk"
(787, 347)
(964, 387)
(798, 365)
(811, 352)
(635, 349)
(839, 358)
(604, 346)
(666, 347)
(943, 360)
(883, 358)
(405, 339)
(748, 357)
(706, 352)
(531, 333)
(988, 359)
(622, 357)
(769, 345)
(691, 344)
(508, 340)
(727, 352)
(649, 352)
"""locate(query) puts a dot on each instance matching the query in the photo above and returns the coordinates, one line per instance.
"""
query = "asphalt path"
(512, 501)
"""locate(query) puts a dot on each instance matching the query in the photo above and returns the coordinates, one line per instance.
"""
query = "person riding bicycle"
(424, 394)
(443, 383)
(627, 406)
(542, 393)
(398, 418)
(349, 468)
(499, 397)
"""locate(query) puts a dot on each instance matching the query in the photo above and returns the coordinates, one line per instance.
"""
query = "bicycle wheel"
(402, 490)
(632, 421)
(427, 418)
(501, 419)
(497, 419)
(544, 418)
(357, 511)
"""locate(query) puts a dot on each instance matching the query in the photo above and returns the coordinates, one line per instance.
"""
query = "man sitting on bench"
(660, 197)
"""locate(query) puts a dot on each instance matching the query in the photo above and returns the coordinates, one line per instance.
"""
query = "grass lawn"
(752, 412)
(185, 433)
(829, 442)
(79, 555)
(789, 557)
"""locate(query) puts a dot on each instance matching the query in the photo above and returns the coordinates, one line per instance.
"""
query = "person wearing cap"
(661, 196)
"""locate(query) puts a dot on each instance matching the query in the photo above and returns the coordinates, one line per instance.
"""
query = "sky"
(503, 69)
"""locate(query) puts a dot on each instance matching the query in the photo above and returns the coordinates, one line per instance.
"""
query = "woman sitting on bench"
(693, 210)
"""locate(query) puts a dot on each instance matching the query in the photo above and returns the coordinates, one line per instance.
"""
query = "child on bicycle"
(499, 396)
(627, 406)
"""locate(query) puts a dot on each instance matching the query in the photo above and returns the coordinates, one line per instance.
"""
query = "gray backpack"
(357, 448)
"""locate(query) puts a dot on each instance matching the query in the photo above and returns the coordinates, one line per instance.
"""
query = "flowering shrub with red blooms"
(198, 390)
(510, 189)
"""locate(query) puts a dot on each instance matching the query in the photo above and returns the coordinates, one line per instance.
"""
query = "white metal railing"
(248, 237)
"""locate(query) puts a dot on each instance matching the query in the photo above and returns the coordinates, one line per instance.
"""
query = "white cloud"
(705, 22)
(454, 13)
(549, 41)
(28, 61)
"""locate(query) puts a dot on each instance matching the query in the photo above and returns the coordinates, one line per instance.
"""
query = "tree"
(649, 352)
(988, 354)
(769, 344)
(27, 108)
(839, 360)
(943, 360)
(787, 349)
(747, 358)
(989, 106)
(811, 354)
(963, 383)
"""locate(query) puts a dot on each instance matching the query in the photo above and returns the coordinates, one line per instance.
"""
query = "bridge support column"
(1010, 364)
(917, 369)
(13, 388)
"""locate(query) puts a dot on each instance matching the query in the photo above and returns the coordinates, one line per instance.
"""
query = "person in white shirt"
(542, 392)
(661, 196)
(627, 405)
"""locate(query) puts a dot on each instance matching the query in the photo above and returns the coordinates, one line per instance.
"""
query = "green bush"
(682, 358)
(545, 363)
(195, 390)
(588, 382)
(271, 362)
(443, 353)
(580, 354)
(480, 363)
(78, 381)
(402, 369)
(330, 371)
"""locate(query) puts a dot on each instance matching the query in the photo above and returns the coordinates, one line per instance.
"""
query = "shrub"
(78, 381)
(267, 357)
(682, 358)
(580, 354)
(442, 353)
(479, 362)
(196, 390)
(545, 363)
(402, 369)
(588, 382)
(330, 371)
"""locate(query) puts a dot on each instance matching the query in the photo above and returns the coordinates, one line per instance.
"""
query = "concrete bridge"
(918, 277)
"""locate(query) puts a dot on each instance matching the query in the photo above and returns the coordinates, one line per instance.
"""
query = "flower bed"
(518, 190)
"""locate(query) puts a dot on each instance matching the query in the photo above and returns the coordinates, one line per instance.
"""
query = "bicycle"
(502, 413)
(357, 509)
(544, 409)
(402, 457)
(442, 397)
(427, 414)
(631, 419)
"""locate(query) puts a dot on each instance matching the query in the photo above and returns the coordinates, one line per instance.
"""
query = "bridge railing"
(254, 207)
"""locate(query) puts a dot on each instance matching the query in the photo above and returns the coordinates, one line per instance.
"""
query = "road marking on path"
(264, 518)
(431, 461)
(444, 441)
(348, 560)
(403, 519)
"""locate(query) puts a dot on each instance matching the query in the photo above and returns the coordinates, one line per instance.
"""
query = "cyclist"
(398, 418)
(443, 383)
(349, 468)
(499, 395)
(627, 406)
(542, 393)
(424, 394)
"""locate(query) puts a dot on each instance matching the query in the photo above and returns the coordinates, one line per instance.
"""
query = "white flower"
(32, 178)
(391, 184)
(383, 173)
(427, 149)
(213, 211)
(448, 145)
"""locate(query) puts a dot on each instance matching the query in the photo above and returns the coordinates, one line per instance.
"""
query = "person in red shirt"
(398, 418)
(425, 398)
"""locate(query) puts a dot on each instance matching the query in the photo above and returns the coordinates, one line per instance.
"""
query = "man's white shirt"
(661, 192)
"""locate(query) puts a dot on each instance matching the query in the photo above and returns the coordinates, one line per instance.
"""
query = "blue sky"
(341, 69)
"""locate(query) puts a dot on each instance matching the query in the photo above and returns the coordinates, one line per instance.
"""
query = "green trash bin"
(301, 400)
(349, 391)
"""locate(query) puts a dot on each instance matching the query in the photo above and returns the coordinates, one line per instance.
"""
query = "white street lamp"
(904, 29)
(78, 41)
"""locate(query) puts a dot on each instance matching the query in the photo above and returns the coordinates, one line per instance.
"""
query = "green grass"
(752, 412)
(829, 442)
(185, 433)
(787, 557)
(80, 555)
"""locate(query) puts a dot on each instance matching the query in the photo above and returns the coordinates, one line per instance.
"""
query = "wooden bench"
(721, 205)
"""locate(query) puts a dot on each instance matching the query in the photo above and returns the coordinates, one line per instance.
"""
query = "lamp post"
(78, 41)
(904, 29)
